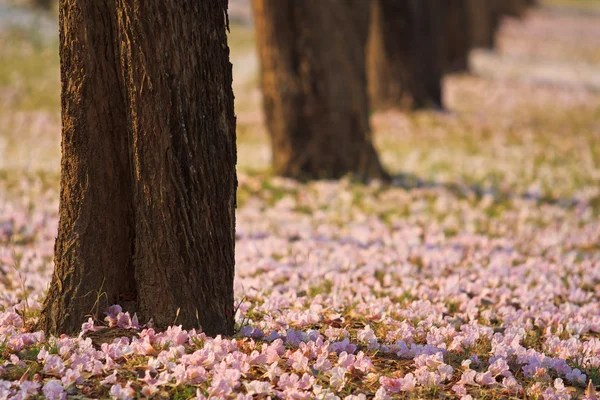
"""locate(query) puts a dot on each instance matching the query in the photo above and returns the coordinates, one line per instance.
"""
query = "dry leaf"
(590, 393)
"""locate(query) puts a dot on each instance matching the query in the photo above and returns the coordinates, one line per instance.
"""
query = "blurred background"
(530, 103)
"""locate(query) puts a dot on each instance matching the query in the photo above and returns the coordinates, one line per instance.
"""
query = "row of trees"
(147, 201)
(316, 56)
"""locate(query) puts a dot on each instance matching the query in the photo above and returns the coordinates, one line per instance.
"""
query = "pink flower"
(273, 371)
(381, 394)
(53, 365)
(293, 337)
(427, 378)
(499, 367)
(122, 392)
(468, 378)
(195, 375)
(395, 385)
(512, 385)
(111, 379)
(363, 363)
(258, 387)
(360, 396)
(459, 389)
(367, 335)
(298, 361)
(288, 381)
(149, 390)
(576, 376)
(445, 371)
(322, 364)
(176, 336)
(124, 321)
(28, 389)
(346, 360)
(485, 378)
(251, 332)
(53, 390)
(88, 326)
(344, 345)
(219, 388)
(71, 377)
(337, 380)
(112, 314)
(306, 382)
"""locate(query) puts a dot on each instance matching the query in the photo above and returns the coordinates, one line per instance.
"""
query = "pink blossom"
(485, 378)
(71, 377)
(322, 364)
(257, 387)
(53, 390)
(110, 379)
(362, 363)
(53, 365)
(346, 360)
(288, 381)
(367, 335)
(511, 384)
(219, 388)
(337, 378)
(298, 361)
(28, 389)
(344, 345)
(395, 385)
(499, 367)
(381, 394)
(459, 389)
(122, 392)
(576, 376)
(468, 378)
(149, 390)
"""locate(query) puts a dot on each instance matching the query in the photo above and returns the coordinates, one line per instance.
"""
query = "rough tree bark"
(314, 87)
(148, 167)
(406, 53)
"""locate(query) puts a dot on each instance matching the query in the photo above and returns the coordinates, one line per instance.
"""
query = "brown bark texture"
(148, 167)
(473, 23)
(314, 87)
(406, 53)
(457, 36)
(484, 20)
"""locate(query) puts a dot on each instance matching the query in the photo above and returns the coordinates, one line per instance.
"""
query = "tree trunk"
(44, 4)
(457, 36)
(148, 168)
(484, 20)
(514, 8)
(406, 53)
(314, 87)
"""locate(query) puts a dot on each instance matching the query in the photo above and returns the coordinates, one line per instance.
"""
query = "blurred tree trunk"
(406, 53)
(457, 36)
(484, 19)
(472, 24)
(514, 8)
(148, 167)
(313, 80)
(44, 4)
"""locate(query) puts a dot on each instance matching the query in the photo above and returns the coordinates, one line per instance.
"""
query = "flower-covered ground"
(476, 275)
